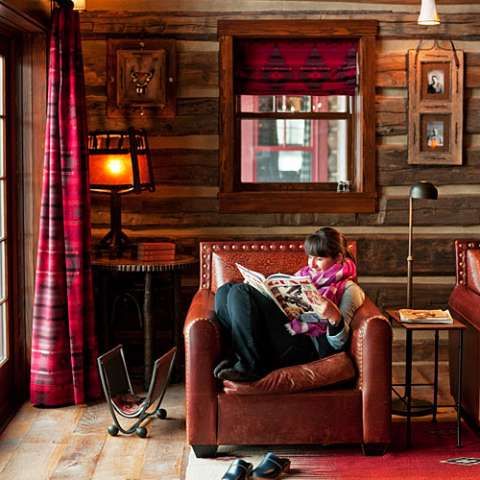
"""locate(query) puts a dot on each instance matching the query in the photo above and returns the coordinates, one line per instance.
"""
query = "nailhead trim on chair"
(208, 248)
(461, 247)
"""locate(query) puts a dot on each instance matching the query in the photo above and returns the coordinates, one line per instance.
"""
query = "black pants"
(255, 325)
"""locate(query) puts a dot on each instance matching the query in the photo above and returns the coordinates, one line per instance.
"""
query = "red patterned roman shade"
(296, 67)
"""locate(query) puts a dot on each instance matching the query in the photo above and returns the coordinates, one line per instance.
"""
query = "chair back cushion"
(217, 259)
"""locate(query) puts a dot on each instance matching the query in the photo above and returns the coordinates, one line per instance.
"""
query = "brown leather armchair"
(464, 304)
(359, 412)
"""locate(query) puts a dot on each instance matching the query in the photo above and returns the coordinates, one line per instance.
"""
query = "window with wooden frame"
(297, 116)
(9, 359)
(4, 323)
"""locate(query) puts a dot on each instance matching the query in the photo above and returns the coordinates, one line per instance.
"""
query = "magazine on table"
(408, 315)
(297, 297)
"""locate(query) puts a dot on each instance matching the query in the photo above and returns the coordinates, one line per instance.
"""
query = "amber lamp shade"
(114, 171)
(119, 163)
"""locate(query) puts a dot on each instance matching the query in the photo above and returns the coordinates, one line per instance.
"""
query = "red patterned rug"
(433, 444)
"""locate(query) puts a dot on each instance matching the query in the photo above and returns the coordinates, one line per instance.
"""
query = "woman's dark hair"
(326, 242)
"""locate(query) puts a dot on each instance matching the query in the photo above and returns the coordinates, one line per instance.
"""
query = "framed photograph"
(435, 81)
(435, 106)
(141, 78)
(435, 132)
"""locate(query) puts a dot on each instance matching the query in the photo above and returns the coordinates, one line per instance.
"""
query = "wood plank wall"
(185, 148)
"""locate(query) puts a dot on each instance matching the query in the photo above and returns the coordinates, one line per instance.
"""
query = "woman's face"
(321, 263)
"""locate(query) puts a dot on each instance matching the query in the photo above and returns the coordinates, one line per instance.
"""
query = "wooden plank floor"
(72, 443)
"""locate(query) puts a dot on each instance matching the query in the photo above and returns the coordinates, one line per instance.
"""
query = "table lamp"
(420, 190)
(119, 163)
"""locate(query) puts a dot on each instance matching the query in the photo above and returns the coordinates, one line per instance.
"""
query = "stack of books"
(156, 251)
(408, 315)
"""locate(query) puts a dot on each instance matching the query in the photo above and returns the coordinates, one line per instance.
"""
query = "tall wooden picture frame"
(435, 106)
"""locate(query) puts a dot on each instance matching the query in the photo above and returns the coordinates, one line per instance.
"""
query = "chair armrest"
(202, 353)
(371, 349)
(465, 304)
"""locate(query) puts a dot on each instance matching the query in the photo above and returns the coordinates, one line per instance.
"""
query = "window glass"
(2, 147)
(338, 151)
(2, 85)
(3, 220)
(297, 150)
(2, 210)
(3, 272)
(294, 104)
(257, 103)
(3, 333)
(284, 166)
(282, 132)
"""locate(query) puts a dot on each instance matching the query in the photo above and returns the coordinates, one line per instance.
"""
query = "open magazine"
(409, 315)
(297, 297)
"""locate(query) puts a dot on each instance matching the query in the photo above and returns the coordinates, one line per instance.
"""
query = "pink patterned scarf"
(331, 284)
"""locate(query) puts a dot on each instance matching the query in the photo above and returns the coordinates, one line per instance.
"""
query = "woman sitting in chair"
(263, 338)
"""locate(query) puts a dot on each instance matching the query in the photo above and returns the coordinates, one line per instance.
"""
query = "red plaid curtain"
(296, 67)
(64, 345)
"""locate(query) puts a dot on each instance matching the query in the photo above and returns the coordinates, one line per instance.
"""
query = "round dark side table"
(127, 265)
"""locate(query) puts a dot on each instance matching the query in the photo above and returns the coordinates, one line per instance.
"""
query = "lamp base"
(115, 243)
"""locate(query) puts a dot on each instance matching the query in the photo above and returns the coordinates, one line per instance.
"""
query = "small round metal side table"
(180, 263)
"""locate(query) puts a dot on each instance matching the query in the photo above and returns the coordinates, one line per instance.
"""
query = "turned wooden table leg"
(148, 327)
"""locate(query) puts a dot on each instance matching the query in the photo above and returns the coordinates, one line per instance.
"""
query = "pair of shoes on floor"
(270, 467)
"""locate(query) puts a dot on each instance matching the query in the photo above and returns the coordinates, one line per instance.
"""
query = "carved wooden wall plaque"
(141, 78)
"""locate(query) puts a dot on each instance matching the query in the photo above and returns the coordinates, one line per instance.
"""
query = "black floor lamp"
(420, 190)
(120, 163)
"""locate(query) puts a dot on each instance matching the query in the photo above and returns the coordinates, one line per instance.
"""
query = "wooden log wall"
(185, 148)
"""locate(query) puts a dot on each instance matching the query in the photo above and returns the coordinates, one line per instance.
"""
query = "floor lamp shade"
(418, 191)
(425, 190)
(119, 163)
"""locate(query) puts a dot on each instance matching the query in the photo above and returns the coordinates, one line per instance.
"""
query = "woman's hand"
(327, 309)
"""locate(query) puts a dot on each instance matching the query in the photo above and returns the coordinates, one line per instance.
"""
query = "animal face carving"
(141, 80)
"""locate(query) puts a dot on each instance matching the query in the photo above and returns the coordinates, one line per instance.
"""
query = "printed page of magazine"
(296, 295)
(257, 280)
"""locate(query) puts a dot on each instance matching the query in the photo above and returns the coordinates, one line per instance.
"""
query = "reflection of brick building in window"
(298, 150)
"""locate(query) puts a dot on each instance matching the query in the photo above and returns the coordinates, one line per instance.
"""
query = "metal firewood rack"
(116, 383)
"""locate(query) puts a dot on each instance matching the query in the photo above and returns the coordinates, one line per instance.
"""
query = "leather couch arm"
(371, 349)
(465, 304)
(202, 353)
